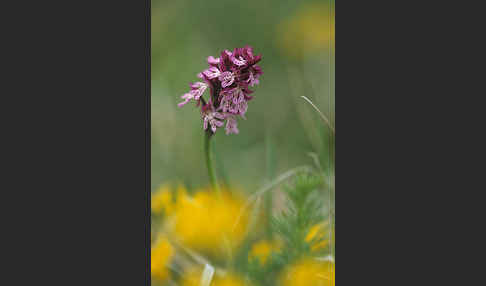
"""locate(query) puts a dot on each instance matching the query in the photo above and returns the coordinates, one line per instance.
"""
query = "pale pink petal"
(213, 61)
(212, 72)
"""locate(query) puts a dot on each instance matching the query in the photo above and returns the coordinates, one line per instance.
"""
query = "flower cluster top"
(228, 78)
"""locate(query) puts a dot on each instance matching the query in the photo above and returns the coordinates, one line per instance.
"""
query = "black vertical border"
(408, 212)
(73, 142)
(147, 139)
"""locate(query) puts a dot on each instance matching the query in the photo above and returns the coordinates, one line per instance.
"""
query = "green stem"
(210, 162)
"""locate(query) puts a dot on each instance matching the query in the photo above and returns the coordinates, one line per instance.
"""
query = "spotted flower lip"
(228, 78)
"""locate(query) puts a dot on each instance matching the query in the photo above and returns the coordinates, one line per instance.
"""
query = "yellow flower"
(228, 280)
(262, 250)
(310, 272)
(208, 222)
(317, 233)
(161, 255)
(310, 29)
(163, 200)
(193, 278)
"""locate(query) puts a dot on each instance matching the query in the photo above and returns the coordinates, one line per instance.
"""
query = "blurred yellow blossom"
(317, 237)
(161, 255)
(164, 201)
(309, 272)
(207, 222)
(262, 250)
(193, 278)
(310, 29)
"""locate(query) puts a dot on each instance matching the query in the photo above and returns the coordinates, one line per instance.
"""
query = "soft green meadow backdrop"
(296, 39)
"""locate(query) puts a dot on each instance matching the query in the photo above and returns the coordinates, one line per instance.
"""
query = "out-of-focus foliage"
(260, 251)
(224, 231)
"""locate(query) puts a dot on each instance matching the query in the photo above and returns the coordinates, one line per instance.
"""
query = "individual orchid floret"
(225, 62)
(231, 126)
(214, 118)
(197, 90)
(187, 97)
(252, 80)
(212, 72)
(253, 74)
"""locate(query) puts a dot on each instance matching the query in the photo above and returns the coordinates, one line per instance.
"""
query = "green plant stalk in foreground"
(210, 162)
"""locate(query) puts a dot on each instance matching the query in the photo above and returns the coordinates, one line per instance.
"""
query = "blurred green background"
(296, 40)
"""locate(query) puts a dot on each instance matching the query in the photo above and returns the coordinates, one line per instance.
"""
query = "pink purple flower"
(228, 78)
